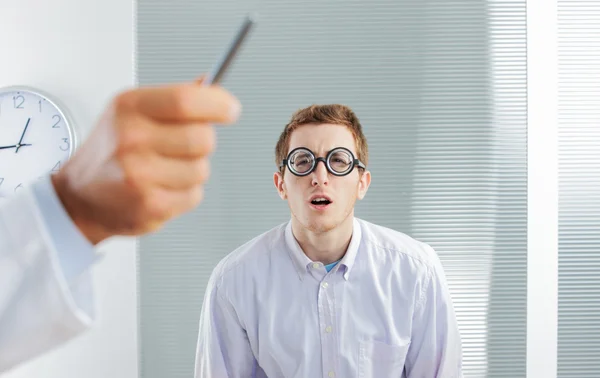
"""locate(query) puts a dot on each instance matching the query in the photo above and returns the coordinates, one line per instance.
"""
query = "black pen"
(219, 69)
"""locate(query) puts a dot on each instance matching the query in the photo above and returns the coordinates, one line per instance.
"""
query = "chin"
(320, 227)
(320, 224)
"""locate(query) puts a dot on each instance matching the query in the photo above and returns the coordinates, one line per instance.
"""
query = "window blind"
(579, 189)
(440, 88)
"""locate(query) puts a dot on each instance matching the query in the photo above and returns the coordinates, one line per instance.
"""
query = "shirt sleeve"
(436, 347)
(223, 348)
(75, 252)
(39, 308)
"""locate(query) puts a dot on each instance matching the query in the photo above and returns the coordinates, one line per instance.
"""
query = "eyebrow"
(326, 151)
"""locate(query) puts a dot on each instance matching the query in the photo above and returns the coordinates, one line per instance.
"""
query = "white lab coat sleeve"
(44, 301)
(223, 349)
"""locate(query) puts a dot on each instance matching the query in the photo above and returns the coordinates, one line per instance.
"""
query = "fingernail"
(235, 109)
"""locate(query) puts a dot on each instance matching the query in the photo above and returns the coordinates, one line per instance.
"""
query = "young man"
(327, 294)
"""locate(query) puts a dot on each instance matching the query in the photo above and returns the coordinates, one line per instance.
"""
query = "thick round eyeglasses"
(339, 162)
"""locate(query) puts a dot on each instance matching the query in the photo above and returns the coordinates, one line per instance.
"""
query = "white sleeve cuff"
(74, 251)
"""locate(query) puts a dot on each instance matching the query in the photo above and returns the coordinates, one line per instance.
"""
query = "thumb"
(200, 79)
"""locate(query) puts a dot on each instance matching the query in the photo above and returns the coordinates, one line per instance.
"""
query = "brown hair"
(331, 113)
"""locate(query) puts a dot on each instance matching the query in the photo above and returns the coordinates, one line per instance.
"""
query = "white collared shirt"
(383, 311)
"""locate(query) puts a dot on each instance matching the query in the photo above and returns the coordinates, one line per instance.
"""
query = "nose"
(320, 176)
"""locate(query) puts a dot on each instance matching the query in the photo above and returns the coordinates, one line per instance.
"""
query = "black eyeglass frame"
(354, 163)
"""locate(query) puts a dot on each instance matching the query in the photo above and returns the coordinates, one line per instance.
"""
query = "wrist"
(77, 210)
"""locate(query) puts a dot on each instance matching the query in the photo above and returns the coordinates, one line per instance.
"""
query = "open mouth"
(320, 202)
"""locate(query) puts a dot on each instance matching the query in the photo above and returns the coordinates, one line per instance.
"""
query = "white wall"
(80, 51)
(542, 216)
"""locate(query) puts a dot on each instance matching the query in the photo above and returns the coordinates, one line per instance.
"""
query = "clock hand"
(16, 145)
(22, 136)
(19, 146)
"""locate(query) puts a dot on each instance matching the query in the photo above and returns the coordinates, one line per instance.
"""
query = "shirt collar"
(302, 262)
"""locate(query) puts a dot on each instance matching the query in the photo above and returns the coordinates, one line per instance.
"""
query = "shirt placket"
(327, 325)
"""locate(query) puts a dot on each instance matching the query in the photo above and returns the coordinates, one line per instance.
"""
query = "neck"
(325, 247)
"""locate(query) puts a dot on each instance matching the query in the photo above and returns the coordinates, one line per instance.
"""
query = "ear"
(363, 184)
(279, 185)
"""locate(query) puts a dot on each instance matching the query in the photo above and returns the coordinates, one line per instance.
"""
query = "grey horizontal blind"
(440, 89)
(579, 189)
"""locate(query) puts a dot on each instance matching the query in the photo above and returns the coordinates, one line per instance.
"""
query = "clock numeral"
(16, 99)
(56, 167)
(58, 119)
(40, 102)
(1, 180)
(18, 187)
(65, 144)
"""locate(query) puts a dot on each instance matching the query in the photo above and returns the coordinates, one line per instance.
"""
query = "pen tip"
(252, 16)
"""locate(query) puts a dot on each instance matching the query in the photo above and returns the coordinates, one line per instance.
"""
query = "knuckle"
(199, 140)
(233, 112)
(154, 206)
(190, 140)
(199, 195)
(196, 196)
(183, 101)
(131, 134)
(230, 107)
(201, 170)
(124, 102)
(135, 172)
(209, 140)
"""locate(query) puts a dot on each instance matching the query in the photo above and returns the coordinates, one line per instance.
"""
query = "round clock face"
(36, 138)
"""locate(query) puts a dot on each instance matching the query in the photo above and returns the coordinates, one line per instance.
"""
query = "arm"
(144, 163)
(436, 348)
(223, 348)
(45, 290)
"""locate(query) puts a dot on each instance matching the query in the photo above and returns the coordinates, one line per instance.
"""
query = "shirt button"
(325, 284)
(331, 374)
(315, 265)
(328, 329)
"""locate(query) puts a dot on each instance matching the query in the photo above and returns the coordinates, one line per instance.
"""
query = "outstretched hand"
(146, 161)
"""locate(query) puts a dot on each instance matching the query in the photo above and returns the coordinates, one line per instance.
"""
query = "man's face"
(342, 191)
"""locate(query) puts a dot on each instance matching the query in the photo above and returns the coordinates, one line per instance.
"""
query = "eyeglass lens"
(302, 161)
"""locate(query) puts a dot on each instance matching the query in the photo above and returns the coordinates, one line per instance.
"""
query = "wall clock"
(37, 136)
